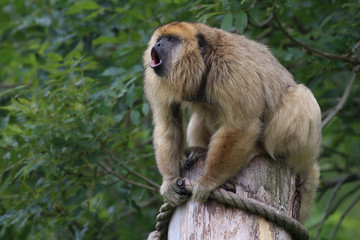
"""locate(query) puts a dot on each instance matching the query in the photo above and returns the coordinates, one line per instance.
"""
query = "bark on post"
(269, 181)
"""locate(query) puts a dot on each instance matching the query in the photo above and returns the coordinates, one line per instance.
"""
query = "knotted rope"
(291, 225)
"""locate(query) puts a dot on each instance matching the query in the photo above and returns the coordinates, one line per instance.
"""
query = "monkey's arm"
(169, 142)
(230, 149)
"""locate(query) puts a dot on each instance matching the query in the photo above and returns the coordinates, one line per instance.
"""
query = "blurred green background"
(76, 154)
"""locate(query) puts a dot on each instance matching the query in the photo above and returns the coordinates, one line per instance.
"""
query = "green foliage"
(75, 138)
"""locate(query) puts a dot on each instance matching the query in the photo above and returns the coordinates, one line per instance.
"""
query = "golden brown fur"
(240, 97)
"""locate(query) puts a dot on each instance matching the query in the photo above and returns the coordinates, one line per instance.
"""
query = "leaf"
(14, 129)
(43, 21)
(11, 91)
(118, 118)
(135, 117)
(87, 135)
(226, 23)
(83, 6)
(74, 54)
(145, 108)
(104, 40)
(123, 37)
(34, 165)
(325, 21)
(120, 10)
(79, 234)
(135, 13)
(255, 14)
(93, 15)
(241, 21)
(280, 2)
(131, 96)
(24, 101)
(111, 71)
(54, 57)
(19, 106)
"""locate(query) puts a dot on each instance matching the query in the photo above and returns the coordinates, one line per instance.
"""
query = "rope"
(295, 228)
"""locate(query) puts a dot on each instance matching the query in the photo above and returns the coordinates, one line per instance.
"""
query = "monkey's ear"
(201, 41)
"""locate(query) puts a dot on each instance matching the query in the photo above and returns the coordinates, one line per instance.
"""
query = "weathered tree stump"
(269, 181)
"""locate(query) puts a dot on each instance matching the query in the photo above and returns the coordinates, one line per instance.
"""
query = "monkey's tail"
(308, 190)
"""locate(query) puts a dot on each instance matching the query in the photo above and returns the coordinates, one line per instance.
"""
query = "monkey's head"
(174, 55)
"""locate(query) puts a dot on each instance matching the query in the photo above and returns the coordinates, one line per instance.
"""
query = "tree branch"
(152, 183)
(5, 148)
(332, 150)
(328, 206)
(344, 57)
(343, 216)
(262, 24)
(298, 24)
(142, 205)
(108, 170)
(345, 196)
(264, 33)
(149, 202)
(343, 99)
(8, 86)
(350, 177)
(353, 50)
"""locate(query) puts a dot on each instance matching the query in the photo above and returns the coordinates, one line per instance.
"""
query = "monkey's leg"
(230, 149)
(198, 138)
(197, 133)
(295, 133)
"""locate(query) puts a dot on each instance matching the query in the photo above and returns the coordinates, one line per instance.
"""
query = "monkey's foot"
(191, 155)
(200, 193)
(174, 192)
(229, 186)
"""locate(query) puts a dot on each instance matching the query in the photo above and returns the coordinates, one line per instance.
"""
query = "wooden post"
(269, 181)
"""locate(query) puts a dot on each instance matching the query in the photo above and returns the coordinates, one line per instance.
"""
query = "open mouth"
(156, 61)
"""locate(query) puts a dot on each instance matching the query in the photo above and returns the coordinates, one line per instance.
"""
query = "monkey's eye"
(171, 38)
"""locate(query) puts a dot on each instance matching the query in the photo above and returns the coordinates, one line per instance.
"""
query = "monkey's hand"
(191, 155)
(174, 193)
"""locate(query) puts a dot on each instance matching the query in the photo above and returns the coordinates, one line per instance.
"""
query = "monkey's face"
(174, 59)
(161, 54)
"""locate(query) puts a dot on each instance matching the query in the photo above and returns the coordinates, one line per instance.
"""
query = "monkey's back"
(243, 73)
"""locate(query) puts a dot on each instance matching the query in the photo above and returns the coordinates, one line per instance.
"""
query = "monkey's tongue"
(156, 61)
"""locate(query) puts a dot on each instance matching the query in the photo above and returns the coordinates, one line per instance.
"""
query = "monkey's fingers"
(181, 184)
(176, 193)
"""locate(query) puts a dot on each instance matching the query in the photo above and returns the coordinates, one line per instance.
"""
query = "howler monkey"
(239, 96)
